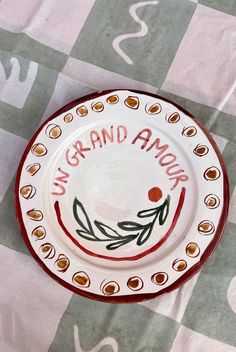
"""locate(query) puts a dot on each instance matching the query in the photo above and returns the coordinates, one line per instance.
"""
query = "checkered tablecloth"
(54, 51)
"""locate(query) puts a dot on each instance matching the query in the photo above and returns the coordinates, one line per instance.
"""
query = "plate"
(121, 196)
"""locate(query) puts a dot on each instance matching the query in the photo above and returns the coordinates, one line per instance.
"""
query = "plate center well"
(119, 203)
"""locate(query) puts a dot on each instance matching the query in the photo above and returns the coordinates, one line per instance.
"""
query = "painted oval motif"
(82, 111)
(189, 131)
(132, 102)
(173, 118)
(39, 149)
(160, 278)
(47, 250)
(33, 168)
(112, 99)
(62, 263)
(81, 279)
(39, 233)
(192, 250)
(97, 106)
(212, 201)
(206, 227)
(179, 265)
(153, 108)
(135, 283)
(68, 118)
(35, 214)
(110, 288)
(201, 150)
(53, 131)
(28, 191)
(212, 173)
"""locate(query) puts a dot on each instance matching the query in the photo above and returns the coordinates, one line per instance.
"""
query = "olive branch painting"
(128, 230)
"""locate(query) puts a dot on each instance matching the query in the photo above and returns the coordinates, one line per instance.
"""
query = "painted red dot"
(154, 194)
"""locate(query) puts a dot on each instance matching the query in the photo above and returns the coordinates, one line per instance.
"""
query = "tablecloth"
(52, 52)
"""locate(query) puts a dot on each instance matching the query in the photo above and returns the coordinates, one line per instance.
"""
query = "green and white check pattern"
(52, 52)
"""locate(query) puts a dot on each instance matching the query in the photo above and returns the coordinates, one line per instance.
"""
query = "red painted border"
(154, 248)
(135, 297)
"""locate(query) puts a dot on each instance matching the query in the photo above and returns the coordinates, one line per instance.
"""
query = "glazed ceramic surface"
(121, 196)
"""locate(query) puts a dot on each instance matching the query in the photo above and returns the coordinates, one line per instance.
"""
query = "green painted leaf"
(121, 242)
(129, 226)
(81, 216)
(115, 245)
(144, 235)
(107, 230)
(86, 235)
(147, 213)
(164, 211)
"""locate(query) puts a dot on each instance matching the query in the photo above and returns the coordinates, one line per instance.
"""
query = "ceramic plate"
(121, 196)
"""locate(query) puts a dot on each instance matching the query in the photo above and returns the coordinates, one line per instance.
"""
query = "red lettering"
(143, 135)
(62, 179)
(106, 136)
(95, 138)
(121, 130)
(61, 189)
(64, 176)
(78, 145)
(73, 160)
(166, 159)
(156, 144)
(79, 150)
(172, 159)
(173, 172)
(180, 178)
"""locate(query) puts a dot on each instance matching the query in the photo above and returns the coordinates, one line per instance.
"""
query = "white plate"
(121, 196)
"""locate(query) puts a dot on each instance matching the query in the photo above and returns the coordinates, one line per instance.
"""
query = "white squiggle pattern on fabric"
(107, 341)
(12, 90)
(143, 31)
